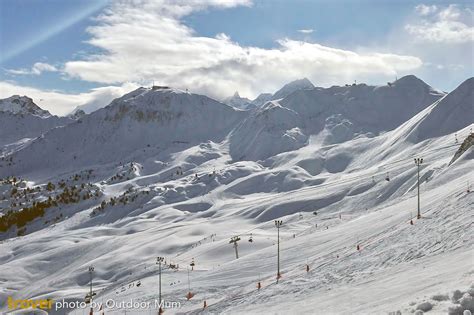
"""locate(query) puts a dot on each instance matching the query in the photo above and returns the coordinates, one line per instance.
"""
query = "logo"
(24, 304)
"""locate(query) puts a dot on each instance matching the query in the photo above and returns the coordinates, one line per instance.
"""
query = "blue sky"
(50, 31)
(56, 48)
(266, 21)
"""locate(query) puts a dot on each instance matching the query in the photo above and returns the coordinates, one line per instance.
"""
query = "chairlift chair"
(88, 297)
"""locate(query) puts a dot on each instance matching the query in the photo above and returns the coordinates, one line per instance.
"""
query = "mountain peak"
(77, 114)
(466, 85)
(410, 80)
(452, 113)
(238, 102)
(293, 86)
(17, 104)
(262, 99)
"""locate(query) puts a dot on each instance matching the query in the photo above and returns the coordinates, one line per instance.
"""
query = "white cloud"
(63, 103)
(40, 67)
(306, 31)
(451, 24)
(147, 42)
(423, 9)
(37, 69)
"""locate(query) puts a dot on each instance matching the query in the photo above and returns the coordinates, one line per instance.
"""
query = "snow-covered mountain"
(345, 112)
(451, 113)
(331, 115)
(162, 172)
(21, 120)
(244, 103)
(76, 114)
(239, 102)
(262, 99)
(267, 131)
(22, 105)
(287, 89)
(141, 122)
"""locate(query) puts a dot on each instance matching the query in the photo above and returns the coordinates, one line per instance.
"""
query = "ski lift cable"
(370, 240)
(366, 243)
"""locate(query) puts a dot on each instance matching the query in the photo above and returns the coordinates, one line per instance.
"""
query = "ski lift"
(250, 238)
(139, 283)
(387, 178)
(88, 297)
(192, 264)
